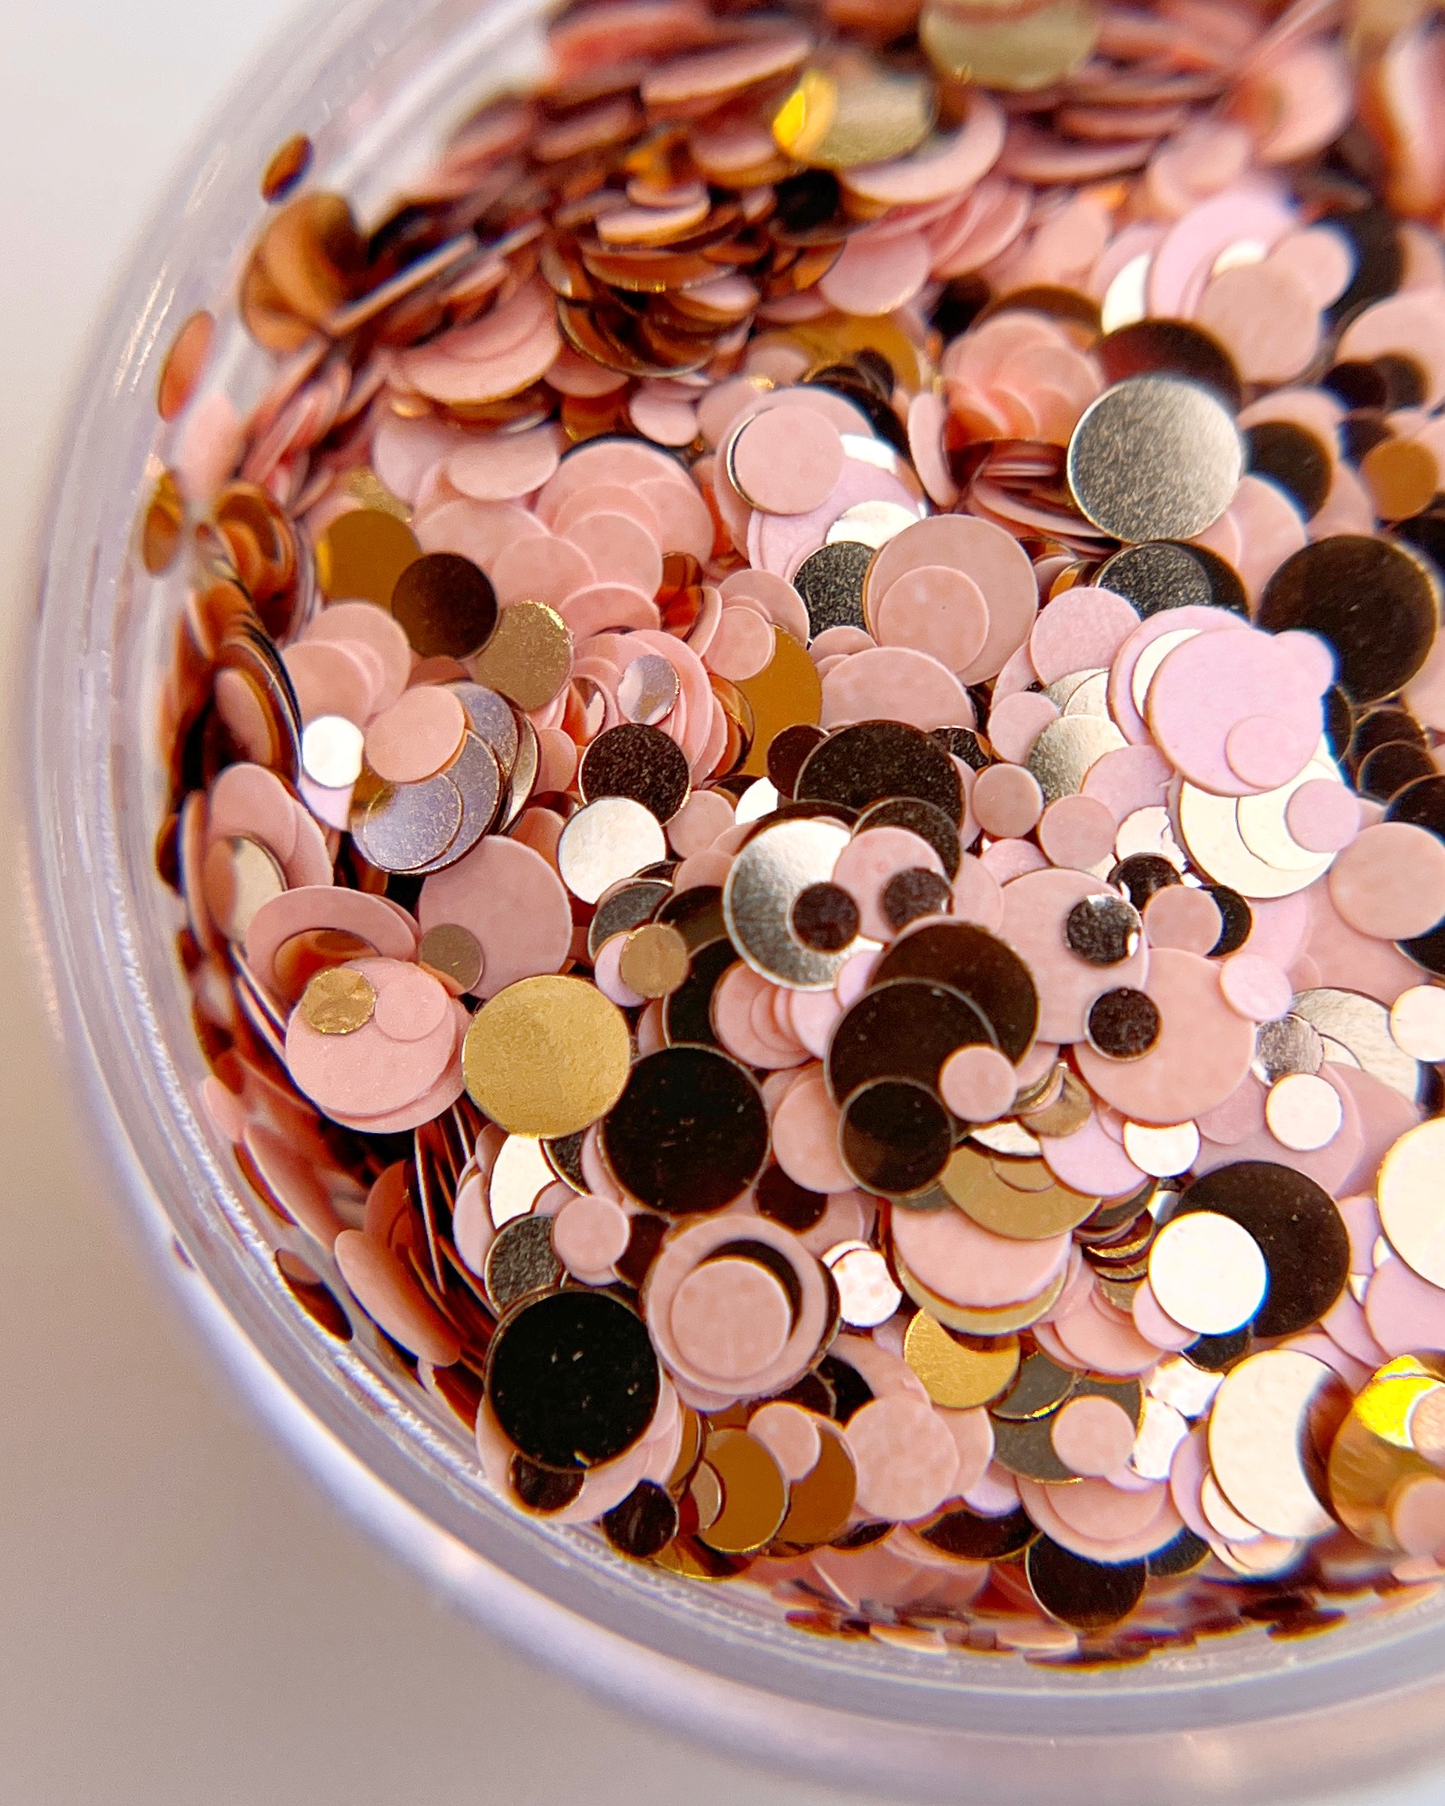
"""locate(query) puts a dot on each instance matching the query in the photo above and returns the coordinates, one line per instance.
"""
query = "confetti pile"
(807, 789)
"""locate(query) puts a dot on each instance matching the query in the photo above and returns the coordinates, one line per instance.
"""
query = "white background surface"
(184, 1620)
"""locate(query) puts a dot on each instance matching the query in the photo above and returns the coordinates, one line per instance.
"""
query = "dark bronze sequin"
(925, 820)
(830, 581)
(696, 914)
(564, 1155)
(1124, 1024)
(1141, 875)
(1236, 919)
(644, 1240)
(824, 917)
(687, 1011)
(1166, 573)
(1291, 456)
(1170, 348)
(1300, 1233)
(543, 1489)
(977, 966)
(1389, 769)
(520, 1261)
(1421, 804)
(787, 754)
(1217, 1354)
(628, 907)
(896, 1136)
(1182, 1556)
(638, 762)
(1087, 1595)
(1025, 1446)
(446, 606)
(904, 1029)
(873, 760)
(689, 1133)
(1384, 727)
(1040, 1388)
(1376, 602)
(964, 744)
(572, 1378)
(914, 892)
(1103, 930)
(644, 1523)
(1374, 236)
(964, 1533)
(784, 1201)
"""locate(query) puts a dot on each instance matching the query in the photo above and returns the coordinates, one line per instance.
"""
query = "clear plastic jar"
(1238, 1719)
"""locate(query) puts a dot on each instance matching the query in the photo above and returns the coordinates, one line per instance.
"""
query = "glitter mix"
(807, 787)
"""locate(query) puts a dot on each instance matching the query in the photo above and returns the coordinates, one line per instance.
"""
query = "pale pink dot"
(869, 860)
(1077, 831)
(1405, 1314)
(607, 974)
(1181, 916)
(730, 1318)
(905, 1457)
(1264, 752)
(589, 1234)
(805, 1137)
(1092, 1436)
(1079, 630)
(1255, 988)
(811, 1015)
(853, 976)
(994, 1495)
(1007, 801)
(416, 736)
(1092, 1162)
(790, 1435)
(743, 644)
(1155, 1325)
(705, 815)
(876, 276)
(556, 760)
(1017, 721)
(934, 609)
(410, 1004)
(1390, 881)
(978, 1084)
(1323, 817)
(977, 895)
(788, 460)
(698, 869)
(618, 550)
(1417, 1516)
(1008, 859)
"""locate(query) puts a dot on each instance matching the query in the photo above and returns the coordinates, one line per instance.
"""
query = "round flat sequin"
(547, 1056)
(573, 1379)
(446, 606)
(688, 1133)
(1155, 458)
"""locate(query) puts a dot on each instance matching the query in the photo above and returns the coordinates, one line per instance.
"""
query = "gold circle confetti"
(959, 1372)
(547, 1056)
(654, 960)
(529, 656)
(338, 1001)
(361, 555)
